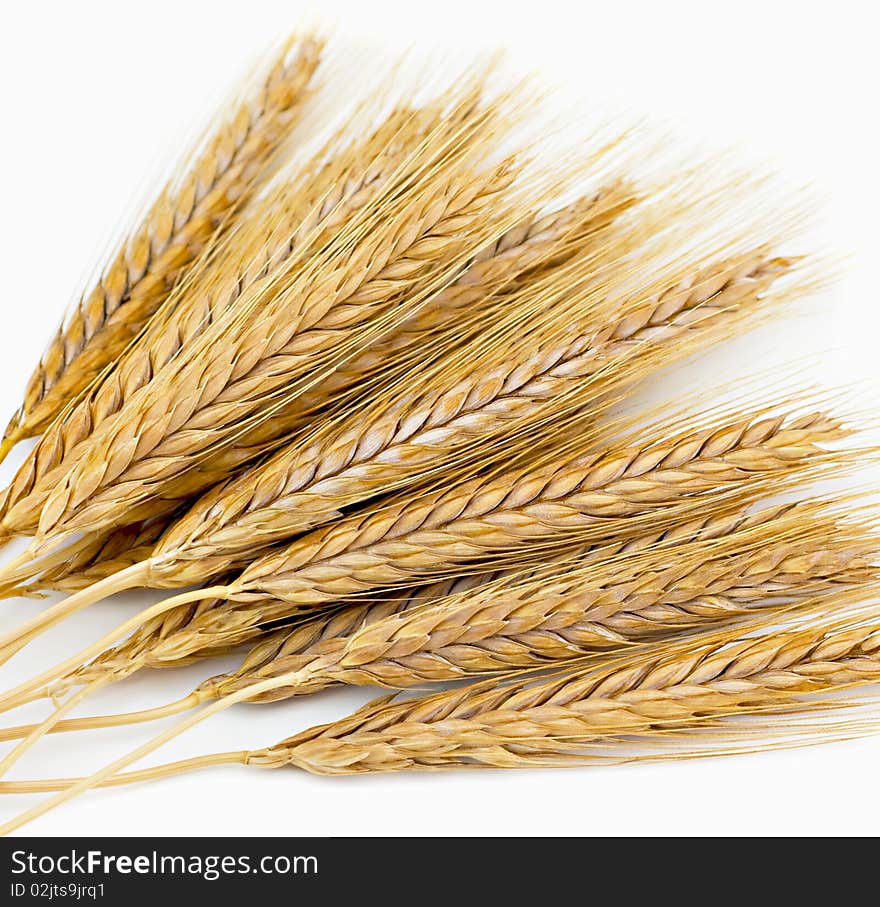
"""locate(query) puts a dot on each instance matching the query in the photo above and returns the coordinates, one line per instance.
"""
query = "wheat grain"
(173, 232)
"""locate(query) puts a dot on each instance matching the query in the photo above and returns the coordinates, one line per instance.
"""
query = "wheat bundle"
(519, 515)
(482, 396)
(315, 476)
(488, 284)
(330, 298)
(371, 410)
(320, 193)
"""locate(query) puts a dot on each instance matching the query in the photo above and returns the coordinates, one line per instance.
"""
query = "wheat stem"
(49, 724)
(18, 695)
(146, 774)
(126, 760)
(95, 722)
(128, 578)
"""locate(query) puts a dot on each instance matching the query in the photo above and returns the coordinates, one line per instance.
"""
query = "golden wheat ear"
(201, 200)
(328, 301)
(540, 245)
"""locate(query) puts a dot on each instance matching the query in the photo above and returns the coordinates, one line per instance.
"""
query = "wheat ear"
(676, 321)
(168, 639)
(171, 639)
(520, 515)
(569, 611)
(585, 498)
(521, 723)
(173, 232)
(333, 308)
(553, 721)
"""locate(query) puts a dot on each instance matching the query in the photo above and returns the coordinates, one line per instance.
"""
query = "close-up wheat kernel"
(443, 409)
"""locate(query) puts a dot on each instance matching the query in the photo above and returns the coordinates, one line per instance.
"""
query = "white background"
(96, 97)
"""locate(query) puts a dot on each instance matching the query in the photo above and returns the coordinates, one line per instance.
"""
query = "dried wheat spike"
(174, 231)
(568, 610)
(587, 602)
(178, 637)
(585, 498)
(526, 723)
(574, 717)
(517, 516)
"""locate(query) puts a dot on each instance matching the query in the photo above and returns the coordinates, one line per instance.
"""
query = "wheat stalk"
(174, 231)
(562, 720)
(521, 515)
